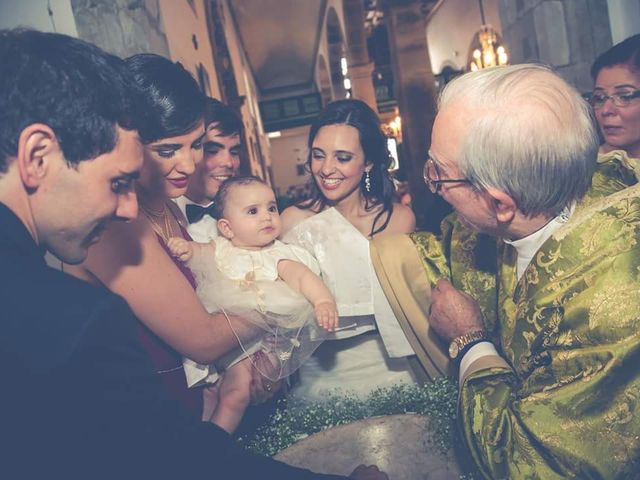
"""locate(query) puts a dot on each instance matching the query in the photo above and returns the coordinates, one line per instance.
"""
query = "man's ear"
(504, 206)
(37, 145)
(225, 229)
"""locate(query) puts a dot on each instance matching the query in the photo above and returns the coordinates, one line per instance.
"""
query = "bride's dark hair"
(360, 116)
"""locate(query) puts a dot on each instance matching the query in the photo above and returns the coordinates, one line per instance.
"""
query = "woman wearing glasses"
(351, 203)
(616, 96)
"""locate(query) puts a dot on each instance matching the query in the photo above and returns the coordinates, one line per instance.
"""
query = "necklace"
(160, 221)
(154, 213)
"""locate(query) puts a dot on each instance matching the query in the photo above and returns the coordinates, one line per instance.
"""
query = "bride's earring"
(367, 181)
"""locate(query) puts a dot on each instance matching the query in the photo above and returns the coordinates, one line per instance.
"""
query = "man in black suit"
(79, 398)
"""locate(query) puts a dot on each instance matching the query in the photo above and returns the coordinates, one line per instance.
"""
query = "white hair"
(533, 136)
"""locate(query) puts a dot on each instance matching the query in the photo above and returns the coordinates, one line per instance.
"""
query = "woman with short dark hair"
(616, 96)
(132, 259)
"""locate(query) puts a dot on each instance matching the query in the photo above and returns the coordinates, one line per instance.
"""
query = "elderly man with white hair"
(535, 280)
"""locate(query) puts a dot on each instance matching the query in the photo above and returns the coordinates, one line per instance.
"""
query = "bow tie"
(196, 212)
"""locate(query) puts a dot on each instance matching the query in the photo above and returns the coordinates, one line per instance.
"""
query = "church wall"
(187, 34)
(35, 14)
(566, 34)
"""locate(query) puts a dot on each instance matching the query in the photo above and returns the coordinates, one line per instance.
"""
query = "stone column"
(415, 91)
(624, 18)
(360, 66)
(362, 83)
(227, 79)
(121, 27)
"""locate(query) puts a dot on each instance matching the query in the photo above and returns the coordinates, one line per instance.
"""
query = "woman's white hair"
(533, 136)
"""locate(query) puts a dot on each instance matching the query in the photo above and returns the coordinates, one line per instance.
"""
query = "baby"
(247, 272)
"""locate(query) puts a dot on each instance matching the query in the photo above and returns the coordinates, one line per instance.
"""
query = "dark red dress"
(166, 360)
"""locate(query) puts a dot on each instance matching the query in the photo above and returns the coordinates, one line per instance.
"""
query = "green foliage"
(294, 421)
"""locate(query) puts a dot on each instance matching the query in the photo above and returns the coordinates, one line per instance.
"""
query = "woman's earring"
(367, 181)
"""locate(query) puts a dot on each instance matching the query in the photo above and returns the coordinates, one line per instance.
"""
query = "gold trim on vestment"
(402, 277)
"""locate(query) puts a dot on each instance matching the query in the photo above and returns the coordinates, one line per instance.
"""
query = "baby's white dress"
(369, 350)
(245, 283)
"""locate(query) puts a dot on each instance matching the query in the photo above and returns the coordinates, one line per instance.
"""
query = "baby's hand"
(327, 315)
(180, 248)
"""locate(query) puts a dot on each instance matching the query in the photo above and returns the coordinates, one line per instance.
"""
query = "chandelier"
(487, 48)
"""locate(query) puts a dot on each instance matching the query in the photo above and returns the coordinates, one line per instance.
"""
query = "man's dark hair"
(223, 117)
(626, 52)
(220, 200)
(173, 101)
(75, 88)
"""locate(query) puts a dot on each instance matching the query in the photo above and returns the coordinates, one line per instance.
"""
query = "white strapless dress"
(369, 350)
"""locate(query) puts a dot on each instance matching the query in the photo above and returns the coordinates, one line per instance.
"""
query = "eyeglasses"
(431, 176)
(622, 98)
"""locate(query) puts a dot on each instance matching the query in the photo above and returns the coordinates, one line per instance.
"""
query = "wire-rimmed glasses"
(620, 98)
(431, 175)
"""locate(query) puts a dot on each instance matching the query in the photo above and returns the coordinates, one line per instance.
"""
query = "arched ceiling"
(280, 39)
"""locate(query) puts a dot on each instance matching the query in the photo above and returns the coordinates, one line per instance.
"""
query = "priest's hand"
(453, 313)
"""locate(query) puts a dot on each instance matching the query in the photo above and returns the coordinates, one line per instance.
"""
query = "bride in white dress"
(352, 202)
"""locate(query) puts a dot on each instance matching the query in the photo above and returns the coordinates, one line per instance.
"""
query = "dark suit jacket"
(78, 396)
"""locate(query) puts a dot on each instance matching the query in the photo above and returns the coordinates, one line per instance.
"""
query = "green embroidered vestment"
(569, 329)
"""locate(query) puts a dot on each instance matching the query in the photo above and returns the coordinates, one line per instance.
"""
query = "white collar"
(529, 245)
(184, 200)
